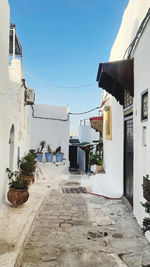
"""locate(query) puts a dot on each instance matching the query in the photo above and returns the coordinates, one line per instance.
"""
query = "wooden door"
(73, 157)
(128, 159)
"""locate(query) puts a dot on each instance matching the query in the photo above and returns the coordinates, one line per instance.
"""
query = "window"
(108, 123)
(144, 106)
(128, 100)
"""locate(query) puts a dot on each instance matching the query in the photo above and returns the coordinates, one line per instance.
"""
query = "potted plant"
(39, 154)
(49, 154)
(18, 189)
(27, 167)
(99, 165)
(93, 162)
(59, 154)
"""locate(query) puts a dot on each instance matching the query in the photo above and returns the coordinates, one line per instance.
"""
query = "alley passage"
(80, 230)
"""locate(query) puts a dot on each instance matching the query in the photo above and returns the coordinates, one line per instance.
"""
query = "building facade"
(126, 81)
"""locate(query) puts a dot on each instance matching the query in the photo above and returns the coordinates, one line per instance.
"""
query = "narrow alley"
(78, 229)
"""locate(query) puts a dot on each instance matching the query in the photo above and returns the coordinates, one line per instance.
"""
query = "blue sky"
(63, 42)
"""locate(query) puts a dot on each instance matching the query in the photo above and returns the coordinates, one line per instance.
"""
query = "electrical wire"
(135, 41)
(80, 113)
(46, 118)
(59, 86)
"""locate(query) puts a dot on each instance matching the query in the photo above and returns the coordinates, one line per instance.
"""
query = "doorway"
(128, 159)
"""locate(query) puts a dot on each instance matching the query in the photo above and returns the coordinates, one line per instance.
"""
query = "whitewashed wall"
(87, 134)
(141, 152)
(54, 132)
(113, 149)
(4, 85)
(132, 18)
(12, 112)
(18, 115)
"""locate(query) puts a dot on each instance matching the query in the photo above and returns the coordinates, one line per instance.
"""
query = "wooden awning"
(116, 76)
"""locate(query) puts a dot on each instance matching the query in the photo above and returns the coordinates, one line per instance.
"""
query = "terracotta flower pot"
(17, 196)
(99, 168)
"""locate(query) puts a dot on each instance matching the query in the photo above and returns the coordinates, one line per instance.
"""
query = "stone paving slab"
(77, 230)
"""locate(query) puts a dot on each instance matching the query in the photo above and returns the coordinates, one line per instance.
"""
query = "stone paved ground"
(80, 230)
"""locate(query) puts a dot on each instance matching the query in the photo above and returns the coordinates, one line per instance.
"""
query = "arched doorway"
(11, 147)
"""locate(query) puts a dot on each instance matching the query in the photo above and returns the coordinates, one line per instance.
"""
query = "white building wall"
(11, 104)
(18, 115)
(87, 134)
(54, 132)
(4, 79)
(113, 149)
(141, 152)
(132, 18)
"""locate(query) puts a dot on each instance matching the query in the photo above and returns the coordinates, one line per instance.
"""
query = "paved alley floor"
(81, 230)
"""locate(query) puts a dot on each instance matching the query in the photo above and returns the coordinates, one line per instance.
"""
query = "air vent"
(29, 96)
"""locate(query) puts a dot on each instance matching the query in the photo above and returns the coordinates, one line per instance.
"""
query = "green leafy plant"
(146, 224)
(58, 150)
(93, 159)
(15, 180)
(49, 150)
(42, 145)
(146, 205)
(27, 165)
(99, 162)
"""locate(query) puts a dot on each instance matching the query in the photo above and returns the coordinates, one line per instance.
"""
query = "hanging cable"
(135, 41)
(80, 113)
(59, 86)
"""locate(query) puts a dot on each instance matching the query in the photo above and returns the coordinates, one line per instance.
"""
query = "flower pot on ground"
(18, 189)
(49, 154)
(27, 168)
(99, 165)
(59, 154)
(39, 154)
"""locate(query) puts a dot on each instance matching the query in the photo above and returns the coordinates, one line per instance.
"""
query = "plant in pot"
(93, 162)
(39, 154)
(59, 154)
(99, 165)
(49, 154)
(27, 168)
(18, 189)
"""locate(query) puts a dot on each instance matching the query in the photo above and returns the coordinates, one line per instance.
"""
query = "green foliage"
(146, 224)
(42, 145)
(93, 159)
(100, 162)
(15, 180)
(58, 150)
(49, 150)
(146, 205)
(27, 165)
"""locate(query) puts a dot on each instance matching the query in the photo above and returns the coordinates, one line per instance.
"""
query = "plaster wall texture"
(18, 115)
(87, 134)
(12, 113)
(54, 132)
(4, 78)
(141, 152)
(132, 18)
